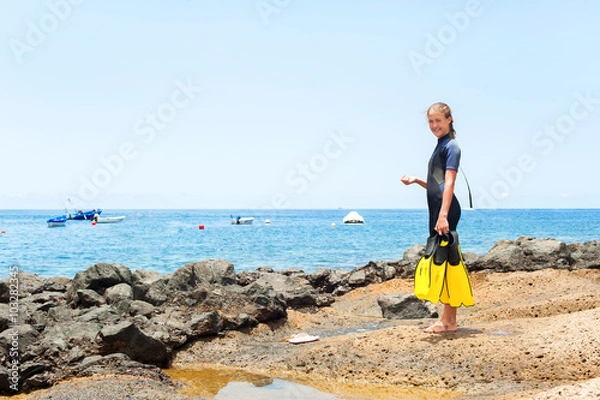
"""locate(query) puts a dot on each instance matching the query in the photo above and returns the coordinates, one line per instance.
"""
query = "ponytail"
(452, 132)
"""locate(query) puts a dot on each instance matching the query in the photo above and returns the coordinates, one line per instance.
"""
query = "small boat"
(57, 221)
(241, 221)
(84, 215)
(353, 218)
(108, 220)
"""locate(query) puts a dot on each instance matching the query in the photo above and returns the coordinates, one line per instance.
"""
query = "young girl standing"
(444, 209)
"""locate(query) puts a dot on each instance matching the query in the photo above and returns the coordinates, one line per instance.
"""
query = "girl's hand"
(442, 226)
(408, 180)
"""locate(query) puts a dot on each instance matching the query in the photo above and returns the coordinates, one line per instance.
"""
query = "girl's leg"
(448, 321)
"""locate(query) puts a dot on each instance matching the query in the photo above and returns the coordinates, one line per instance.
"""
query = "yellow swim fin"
(430, 271)
(457, 289)
(423, 276)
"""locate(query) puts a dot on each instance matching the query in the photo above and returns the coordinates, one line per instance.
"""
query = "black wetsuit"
(446, 155)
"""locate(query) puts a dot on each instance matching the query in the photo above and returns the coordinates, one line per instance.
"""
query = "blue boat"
(84, 215)
(57, 221)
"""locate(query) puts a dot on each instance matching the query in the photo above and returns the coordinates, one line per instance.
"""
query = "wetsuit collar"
(444, 138)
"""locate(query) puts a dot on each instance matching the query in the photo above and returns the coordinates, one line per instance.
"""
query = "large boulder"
(525, 254)
(98, 278)
(126, 338)
(76, 333)
(156, 293)
(406, 306)
(187, 279)
(264, 303)
(88, 298)
(175, 328)
(329, 281)
(142, 280)
(22, 337)
(586, 255)
(340, 282)
(139, 307)
(120, 291)
(297, 292)
(29, 284)
(411, 258)
(204, 273)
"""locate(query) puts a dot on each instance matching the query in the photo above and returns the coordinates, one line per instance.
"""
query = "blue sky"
(294, 104)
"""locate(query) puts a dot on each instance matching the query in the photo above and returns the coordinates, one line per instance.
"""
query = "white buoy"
(268, 221)
(353, 218)
(333, 224)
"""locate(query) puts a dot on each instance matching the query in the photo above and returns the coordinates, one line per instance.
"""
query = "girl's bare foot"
(440, 327)
(429, 324)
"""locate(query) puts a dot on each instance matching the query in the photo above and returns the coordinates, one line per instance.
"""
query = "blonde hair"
(443, 108)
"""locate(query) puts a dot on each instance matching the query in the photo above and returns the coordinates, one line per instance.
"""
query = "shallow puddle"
(500, 332)
(221, 383)
(225, 384)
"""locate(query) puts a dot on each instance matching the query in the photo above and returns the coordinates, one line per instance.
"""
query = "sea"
(165, 240)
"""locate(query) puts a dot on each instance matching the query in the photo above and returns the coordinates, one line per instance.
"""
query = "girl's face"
(439, 124)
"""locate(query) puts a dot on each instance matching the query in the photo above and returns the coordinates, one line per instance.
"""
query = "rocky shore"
(532, 333)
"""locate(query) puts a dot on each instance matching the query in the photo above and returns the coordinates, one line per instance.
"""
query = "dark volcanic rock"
(24, 335)
(525, 254)
(585, 255)
(210, 272)
(28, 284)
(98, 278)
(297, 292)
(88, 298)
(139, 307)
(265, 303)
(142, 280)
(126, 338)
(121, 291)
(406, 306)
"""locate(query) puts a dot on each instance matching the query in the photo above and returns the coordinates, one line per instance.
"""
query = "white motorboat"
(353, 218)
(241, 221)
(108, 220)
